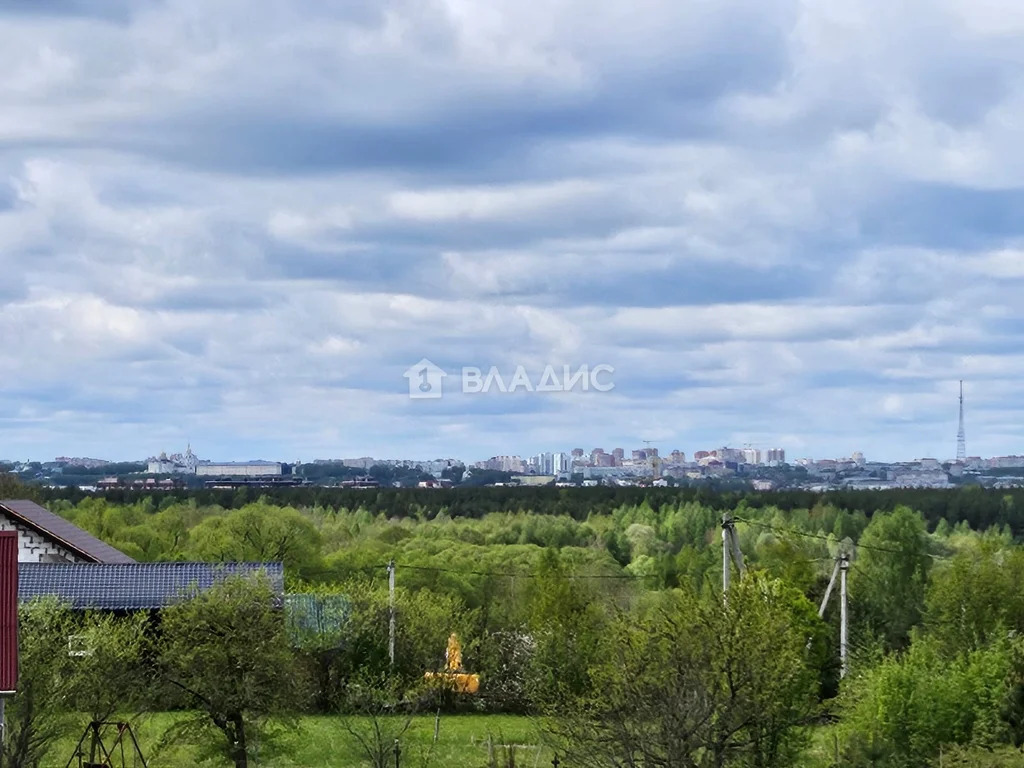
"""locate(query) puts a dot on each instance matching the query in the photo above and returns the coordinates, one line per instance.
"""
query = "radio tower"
(961, 438)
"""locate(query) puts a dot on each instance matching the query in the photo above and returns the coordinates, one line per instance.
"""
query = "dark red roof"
(8, 611)
(71, 537)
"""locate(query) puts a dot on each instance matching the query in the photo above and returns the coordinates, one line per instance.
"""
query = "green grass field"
(323, 742)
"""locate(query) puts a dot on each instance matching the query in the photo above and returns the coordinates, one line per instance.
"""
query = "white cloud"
(797, 222)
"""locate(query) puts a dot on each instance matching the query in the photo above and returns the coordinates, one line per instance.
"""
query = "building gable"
(44, 537)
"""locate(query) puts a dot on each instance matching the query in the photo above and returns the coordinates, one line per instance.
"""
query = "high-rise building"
(561, 463)
(543, 463)
(577, 453)
(776, 455)
(619, 455)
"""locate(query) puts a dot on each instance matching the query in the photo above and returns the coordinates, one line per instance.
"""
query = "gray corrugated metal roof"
(60, 530)
(130, 587)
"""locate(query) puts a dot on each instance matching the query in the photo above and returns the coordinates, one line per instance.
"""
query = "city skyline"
(780, 223)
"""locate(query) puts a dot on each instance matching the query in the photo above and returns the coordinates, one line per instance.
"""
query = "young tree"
(565, 624)
(227, 650)
(690, 682)
(36, 715)
(976, 596)
(902, 711)
(258, 532)
(887, 587)
(108, 666)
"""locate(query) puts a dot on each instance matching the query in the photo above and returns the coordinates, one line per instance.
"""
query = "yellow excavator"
(454, 677)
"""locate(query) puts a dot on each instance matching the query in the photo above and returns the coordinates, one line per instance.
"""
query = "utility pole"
(828, 589)
(840, 569)
(844, 566)
(725, 555)
(391, 612)
(731, 552)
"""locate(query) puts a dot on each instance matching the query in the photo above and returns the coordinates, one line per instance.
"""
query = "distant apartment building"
(594, 473)
(776, 456)
(751, 456)
(577, 453)
(561, 463)
(543, 464)
(677, 457)
(700, 455)
(437, 467)
(241, 469)
(729, 455)
(78, 461)
(504, 464)
(618, 454)
(364, 462)
(1005, 462)
(639, 455)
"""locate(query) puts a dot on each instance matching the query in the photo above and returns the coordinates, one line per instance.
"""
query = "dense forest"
(601, 609)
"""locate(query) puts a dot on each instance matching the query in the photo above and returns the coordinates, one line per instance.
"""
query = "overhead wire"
(472, 572)
(821, 537)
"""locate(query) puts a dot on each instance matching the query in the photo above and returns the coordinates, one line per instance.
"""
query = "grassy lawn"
(323, 742)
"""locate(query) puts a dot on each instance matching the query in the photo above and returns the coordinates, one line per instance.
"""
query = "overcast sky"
(782, 223)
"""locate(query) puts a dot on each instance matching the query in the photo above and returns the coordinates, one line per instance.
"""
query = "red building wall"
(8, 610)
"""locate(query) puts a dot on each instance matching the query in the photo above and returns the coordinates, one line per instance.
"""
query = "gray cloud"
(780, 222)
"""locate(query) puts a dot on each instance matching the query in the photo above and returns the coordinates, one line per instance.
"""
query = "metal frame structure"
(98, 749)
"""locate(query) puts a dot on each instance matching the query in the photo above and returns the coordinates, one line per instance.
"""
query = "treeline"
(609, 620)
(980, 508)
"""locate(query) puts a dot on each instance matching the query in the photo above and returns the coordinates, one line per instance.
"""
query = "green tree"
(565, 624)
(258, 532)
(887, 587)
(12, 488)
(36, 714)
(687, 681)
(108, 670)
(339, 655)
(228, 651)
(976, 596)
(902, 711)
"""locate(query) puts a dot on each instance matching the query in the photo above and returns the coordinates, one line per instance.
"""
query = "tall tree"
(36, 715)
(690, 682)
(227, 650)
(887, 587)
(258, 532)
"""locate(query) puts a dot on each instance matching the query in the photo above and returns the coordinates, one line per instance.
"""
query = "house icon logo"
(424, 380)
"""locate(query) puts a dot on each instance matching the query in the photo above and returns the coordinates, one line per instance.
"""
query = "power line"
(468, 572)
(510, 574)
(821, 537)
